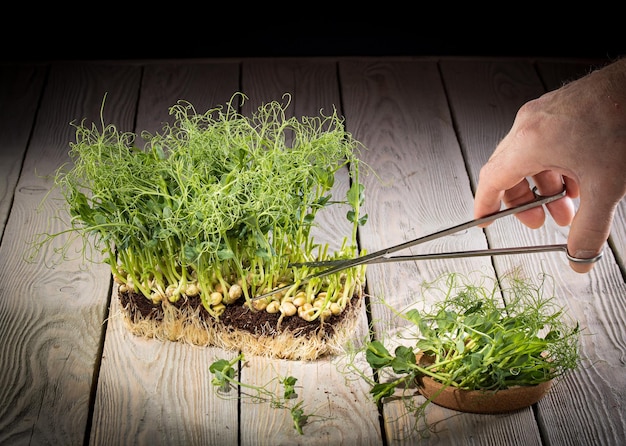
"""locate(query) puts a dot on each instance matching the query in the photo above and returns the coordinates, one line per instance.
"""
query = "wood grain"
(204, 85)
(52, 313)
(20, 89)
(154, 392)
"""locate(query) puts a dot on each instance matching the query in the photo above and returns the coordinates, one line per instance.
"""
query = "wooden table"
(71, 373)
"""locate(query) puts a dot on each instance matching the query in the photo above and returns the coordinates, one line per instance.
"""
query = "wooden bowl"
(480, 401)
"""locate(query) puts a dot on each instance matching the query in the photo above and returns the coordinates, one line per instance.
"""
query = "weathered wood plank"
(158, 392)
(204, 85)
(344, 414)
(52, 314)
(20, 90)
(399, 111)
(419, 185)
(596, 300)
(154, 391)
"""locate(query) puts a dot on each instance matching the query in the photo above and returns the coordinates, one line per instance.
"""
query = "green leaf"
(351, 216)
(289, 383)
(325, 177)
(225, 254)
(223, 372)
(167, 212)
(382, 390)
(413, 316)
(405, 360)
(298, 417)
(356, 194)
(263, 254)
(158, 152)
(460, 345)
(377, 355)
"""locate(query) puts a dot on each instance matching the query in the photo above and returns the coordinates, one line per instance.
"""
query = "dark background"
(188, 32)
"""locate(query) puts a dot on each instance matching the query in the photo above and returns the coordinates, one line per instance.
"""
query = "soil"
(235, 316)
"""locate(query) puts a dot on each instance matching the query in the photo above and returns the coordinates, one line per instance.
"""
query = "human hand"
(575, 137)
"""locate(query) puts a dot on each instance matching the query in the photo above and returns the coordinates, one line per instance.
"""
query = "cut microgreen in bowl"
(478, 337)
(216, 206)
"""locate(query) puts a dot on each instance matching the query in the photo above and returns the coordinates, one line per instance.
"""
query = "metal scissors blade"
(384, 255)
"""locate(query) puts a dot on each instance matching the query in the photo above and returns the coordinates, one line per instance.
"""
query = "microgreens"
(216, 202)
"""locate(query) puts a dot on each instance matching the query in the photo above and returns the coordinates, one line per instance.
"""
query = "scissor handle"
(593, 259)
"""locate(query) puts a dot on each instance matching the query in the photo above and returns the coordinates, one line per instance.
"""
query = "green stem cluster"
(212, 201)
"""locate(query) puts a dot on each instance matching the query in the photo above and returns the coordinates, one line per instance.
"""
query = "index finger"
(496, 177)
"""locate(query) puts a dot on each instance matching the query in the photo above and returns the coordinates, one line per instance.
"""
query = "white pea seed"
(157, 296)
(219, 309)
(234, 293)
(298, 301)
(306, 311)
(335, 308)
(259, 304)
(306, 315)
(192, 290)
(216, 298)
(288, 308)
(273, 307)
(123, 288)
(170, 290)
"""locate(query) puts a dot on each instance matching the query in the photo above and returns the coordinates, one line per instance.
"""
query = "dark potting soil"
(236, 316)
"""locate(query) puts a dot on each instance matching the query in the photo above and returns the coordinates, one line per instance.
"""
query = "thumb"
(589, 231)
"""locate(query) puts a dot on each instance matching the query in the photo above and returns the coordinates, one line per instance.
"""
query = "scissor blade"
(335, 266)
(447, 255)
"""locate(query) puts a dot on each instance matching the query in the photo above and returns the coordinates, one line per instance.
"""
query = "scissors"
(384, 255)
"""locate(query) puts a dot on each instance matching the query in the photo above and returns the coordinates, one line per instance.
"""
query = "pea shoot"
(224, 380)
(217, 205)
